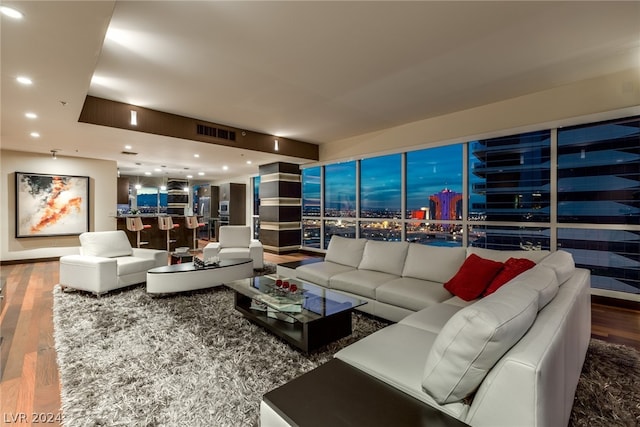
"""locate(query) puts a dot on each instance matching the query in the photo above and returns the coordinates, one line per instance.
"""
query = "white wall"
(560, 106)
(102, 201)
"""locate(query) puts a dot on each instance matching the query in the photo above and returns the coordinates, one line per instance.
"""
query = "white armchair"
(106, 262)
(234, 241)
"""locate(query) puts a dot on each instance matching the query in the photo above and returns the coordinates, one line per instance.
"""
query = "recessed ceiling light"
(157, 170)
(196, 155)
(249, 162)
(225, 167)
(11, 13)
(128, 147)
(24, 80)
(35, 134)
(201, 173)
(31, 115)
(147, 173)
(189, 176)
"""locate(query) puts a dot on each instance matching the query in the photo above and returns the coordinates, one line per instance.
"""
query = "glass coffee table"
(307, 318)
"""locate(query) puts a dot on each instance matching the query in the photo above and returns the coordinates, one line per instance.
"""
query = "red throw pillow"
(512, 268)
(473, 277)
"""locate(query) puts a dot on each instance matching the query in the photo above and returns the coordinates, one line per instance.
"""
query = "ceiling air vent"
(129, 153)
(215, 132)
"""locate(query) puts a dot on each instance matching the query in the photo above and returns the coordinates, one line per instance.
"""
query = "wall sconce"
(54, 154)
(134, 118)
(275, 145)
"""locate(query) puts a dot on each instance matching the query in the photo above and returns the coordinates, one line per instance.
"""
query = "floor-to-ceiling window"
(311, 207)
(255, 217)
(510, 191)
(434, 196)
(573, 188)
(381, 198)
(339, 200)
(599, 201)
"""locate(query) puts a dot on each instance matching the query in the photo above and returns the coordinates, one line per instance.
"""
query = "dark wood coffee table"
(324, 317)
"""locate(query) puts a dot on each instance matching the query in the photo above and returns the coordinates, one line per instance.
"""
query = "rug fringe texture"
(190, 359)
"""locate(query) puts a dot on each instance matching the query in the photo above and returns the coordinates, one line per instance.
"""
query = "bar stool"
(135, 225)
(165, 223)
(191, 222)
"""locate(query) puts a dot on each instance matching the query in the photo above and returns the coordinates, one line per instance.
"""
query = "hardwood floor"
(30, 384)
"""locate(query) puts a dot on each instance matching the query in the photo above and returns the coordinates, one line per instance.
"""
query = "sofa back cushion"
(502, 256)
(345, 251)
(474, 339)
(387, 257)
(432, 263)
(234, 236)
(108, 244)
(512, 267)
(541, 279)
(562, 263)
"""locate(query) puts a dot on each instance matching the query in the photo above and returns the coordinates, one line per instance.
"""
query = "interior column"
(280, 207)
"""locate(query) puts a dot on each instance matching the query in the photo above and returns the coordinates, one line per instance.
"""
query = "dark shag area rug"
(608, 392)
(191, 359)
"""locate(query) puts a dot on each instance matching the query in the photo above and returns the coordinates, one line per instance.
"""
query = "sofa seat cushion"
(396, 355)
(131, 265)
(386, 257)
(412, 294)
(474, 339)
(346, 251)
(320, 272)
(433, 263)
(432, 318)
(502, 256)
(228, 253)
(459, 302)
(360, 282)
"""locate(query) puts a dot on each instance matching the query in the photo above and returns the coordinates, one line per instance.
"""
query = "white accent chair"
(107, 262)
(234, 241)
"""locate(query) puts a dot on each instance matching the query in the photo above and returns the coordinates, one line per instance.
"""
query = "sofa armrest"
(160, 257)
(210, 250)
(256, 252)
(90, 273)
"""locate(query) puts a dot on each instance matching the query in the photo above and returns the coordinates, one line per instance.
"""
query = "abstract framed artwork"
(51, 205)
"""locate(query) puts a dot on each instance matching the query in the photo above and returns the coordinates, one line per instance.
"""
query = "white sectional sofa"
(512, 358)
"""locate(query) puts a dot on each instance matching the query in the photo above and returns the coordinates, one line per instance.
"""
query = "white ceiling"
(313, 71)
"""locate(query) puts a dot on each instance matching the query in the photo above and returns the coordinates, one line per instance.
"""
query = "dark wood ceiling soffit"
(104, 112)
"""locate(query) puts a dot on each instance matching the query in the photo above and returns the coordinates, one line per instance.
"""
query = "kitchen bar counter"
(158, 238)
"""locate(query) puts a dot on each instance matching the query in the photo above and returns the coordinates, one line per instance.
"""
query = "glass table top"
(307, 303)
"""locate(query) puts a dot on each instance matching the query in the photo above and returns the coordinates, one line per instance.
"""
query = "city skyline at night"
(509, 183)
